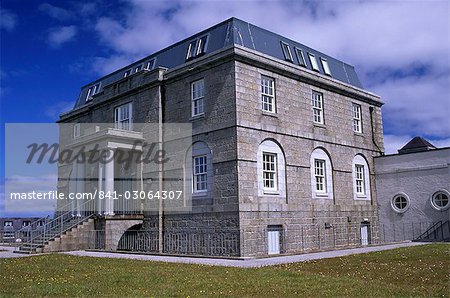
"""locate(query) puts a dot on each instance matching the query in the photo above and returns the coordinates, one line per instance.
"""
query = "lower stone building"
(11, 227)
(413, 190)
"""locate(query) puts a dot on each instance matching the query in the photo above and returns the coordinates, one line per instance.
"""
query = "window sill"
(362, 198)
(271, 192)
(270, 114)
(320, 125)
(200, 194)
(359, 134)
(197, 117)
(322, 195)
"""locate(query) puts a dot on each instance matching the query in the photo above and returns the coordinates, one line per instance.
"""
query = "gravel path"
(248, 263)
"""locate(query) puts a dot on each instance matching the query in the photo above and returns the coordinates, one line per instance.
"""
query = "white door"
(364, 235)
(273, 240)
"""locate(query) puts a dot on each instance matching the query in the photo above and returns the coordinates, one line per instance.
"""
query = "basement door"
(273, 239)
(364, 234)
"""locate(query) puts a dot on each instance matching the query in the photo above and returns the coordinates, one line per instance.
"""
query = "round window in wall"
(440, 200)
(400, 203)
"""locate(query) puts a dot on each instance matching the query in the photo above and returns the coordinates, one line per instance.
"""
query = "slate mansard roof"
(228, 33)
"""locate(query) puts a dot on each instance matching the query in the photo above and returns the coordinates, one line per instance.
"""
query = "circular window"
(400, 203)
(440, 200)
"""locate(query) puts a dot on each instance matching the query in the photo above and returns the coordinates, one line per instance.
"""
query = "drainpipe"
(161, 98)
(373, 134)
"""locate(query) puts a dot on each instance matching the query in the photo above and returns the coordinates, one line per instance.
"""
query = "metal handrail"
(59, 226)
(44, 218)
(427, 232)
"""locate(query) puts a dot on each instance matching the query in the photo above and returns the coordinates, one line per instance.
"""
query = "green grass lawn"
(413, 271)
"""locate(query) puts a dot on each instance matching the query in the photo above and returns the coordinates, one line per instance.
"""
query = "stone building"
(413, 192)
(9, 226)
(283, 140)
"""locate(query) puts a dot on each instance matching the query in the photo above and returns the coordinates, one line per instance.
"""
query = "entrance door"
(364, 234)
(273, 240)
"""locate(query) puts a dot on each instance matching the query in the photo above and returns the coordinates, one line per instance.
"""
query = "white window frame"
(8, 234)
(300, 57)
(327, 192)
(138, 68)
(433, 200)
(191, 50)
(359, 180)
(76, 130)
(268, 101)
(200, 176)
(197, 47)
(269, 147)
(127, 73)
(356, 118)
(198, 98)
(121, 120)
(320, 177)
(149, 64)
(286, 51)
(269, 172)
(361, 183)
(26, 223)
(394, 206)
(325, 66)
(317, 107)
(94, 89)
(8, 223)
(201, 45)
(313, 60)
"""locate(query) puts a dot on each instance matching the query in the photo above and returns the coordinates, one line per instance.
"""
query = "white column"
(100, 203)
(109, 185)
(73, 187)
(80, 185)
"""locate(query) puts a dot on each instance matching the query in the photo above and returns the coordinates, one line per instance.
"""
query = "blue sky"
(401, 50)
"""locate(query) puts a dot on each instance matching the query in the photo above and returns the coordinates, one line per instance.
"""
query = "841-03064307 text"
(128, 195)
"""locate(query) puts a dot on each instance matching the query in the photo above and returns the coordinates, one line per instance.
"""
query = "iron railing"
(57, 226)
(254, 241)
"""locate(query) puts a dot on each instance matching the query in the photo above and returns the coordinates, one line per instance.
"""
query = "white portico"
(95, 172)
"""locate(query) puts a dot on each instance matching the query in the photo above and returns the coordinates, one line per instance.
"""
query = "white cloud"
(392, 143)
(55, 12)
(28, 184)
(8, 20)
(401, 49)
(417, 104)
(86, 8)
(57, 109)
(58, 36)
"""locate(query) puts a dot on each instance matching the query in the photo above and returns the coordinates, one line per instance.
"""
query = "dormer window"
(127, 73)
(300, 57)
(325, 66)
(196, 48)
(92, 91)
(149, 64)
(286, 51)
(201, 46)
(313, 60)
(191, 50)
(138, 68)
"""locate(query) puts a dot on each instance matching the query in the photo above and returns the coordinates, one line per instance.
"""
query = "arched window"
(361, 178)
(321, 174)
(202, 172)
(271, 169)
